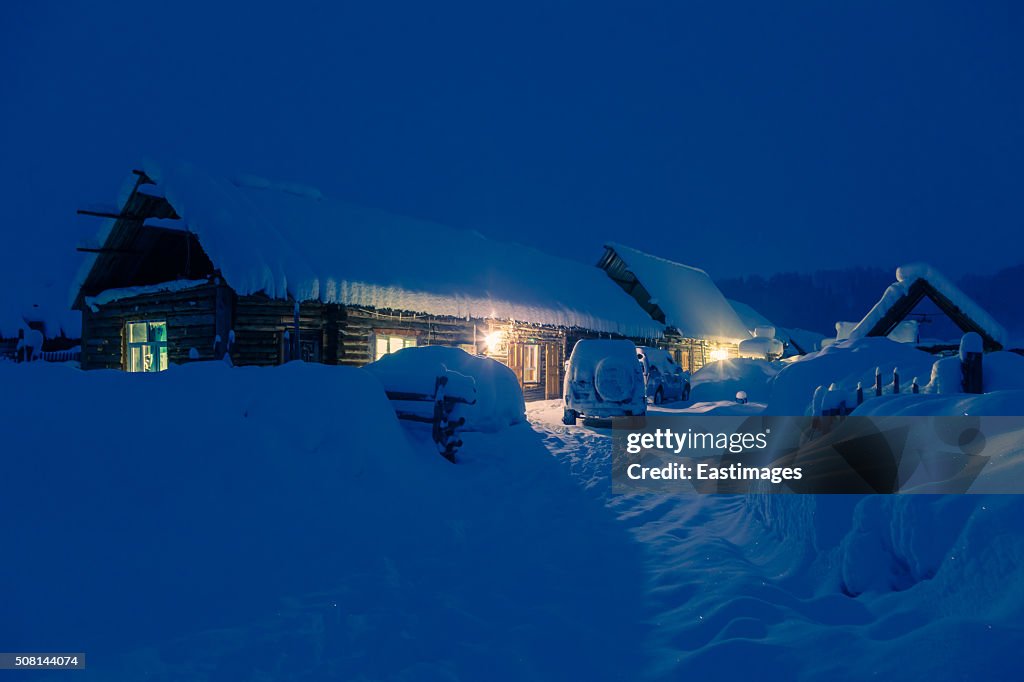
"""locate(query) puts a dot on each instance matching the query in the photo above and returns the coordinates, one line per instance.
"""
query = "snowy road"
(760, 581)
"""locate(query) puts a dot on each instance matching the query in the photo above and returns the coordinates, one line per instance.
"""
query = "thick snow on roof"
(286, 240)
(907, 275)
(111, 295)
(691, 302)
(748, 316)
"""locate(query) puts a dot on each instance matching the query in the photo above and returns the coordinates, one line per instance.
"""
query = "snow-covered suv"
(603, 379)
(665, 380)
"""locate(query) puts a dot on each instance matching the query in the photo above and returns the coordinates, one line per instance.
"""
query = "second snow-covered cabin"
(192, 266)
(910, 309)
(700, 324)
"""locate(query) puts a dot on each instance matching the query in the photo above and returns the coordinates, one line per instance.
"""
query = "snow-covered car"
(664, 380)
(603, 379)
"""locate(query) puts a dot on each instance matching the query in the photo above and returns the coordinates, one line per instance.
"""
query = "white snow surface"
(271, 523)
(907, 275)
(499, 400)
(111, 295)
(320, 537)
(290, 241)
(691, 301)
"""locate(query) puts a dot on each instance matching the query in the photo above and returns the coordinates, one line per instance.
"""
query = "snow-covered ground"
(836, 587)
(209, 523)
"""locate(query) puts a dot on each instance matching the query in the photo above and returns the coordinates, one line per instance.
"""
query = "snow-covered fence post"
(971, 354)
(895, 380)
(914, 388)
(878, 381)
(860, 393)
(22, 354)
(817, 400)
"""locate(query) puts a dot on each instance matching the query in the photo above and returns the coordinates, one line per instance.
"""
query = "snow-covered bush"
(499, 399)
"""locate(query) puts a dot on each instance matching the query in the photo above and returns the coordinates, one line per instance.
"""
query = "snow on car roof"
(692, 303)
(289, 241)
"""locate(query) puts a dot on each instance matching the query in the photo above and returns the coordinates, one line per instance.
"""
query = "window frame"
(156, 348)
(389, 338)
(531, 351)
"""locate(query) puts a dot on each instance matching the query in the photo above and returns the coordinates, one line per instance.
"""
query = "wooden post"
(878, 381)
(971, 354)
(296, 345)
(895, 380)
(224, 319)
(860, 393)
(914, 388)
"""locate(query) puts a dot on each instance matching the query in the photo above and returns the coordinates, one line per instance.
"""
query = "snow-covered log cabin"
(193, 266)
(700, 325)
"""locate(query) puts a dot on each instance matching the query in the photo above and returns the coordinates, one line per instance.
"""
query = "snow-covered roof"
(289, 241)
(111, 295)
(956, 304)
(689, 299)
(749, 316)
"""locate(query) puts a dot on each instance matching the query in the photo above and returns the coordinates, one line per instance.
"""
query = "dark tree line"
(816, 300)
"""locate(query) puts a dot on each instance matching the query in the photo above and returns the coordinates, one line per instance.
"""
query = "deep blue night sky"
(740, 138)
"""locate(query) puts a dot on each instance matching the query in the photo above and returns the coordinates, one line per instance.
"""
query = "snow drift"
(499, 400)
(264, 523)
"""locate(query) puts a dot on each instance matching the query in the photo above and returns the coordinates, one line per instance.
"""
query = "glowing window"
(531, 364)
(389, 343)
(145, 346)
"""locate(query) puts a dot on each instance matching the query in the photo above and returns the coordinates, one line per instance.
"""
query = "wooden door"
(552, 370)
(515, 360)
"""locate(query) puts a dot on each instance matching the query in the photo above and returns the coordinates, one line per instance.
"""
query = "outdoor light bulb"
(494, 340)
(719, 354)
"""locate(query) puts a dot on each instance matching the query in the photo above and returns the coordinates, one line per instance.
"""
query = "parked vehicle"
(664, 380)
(603, 379)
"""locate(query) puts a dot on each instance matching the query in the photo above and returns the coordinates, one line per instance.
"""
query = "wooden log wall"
(359, 327)
(260, 323)
(191, 323)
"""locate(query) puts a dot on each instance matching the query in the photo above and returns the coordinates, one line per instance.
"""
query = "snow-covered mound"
(499, 400)
(846, 364)
(279, 523)
(719, 381)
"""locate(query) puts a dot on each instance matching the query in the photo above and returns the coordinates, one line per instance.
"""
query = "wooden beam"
(105, 214)
(87, 249)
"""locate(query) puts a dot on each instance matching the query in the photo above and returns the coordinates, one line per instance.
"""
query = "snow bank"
(285, 240)
(499, 399)
(720, 381)
(845, 364)
(692, 303)
(257, 523)
(1003, 371)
